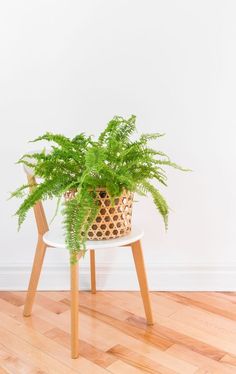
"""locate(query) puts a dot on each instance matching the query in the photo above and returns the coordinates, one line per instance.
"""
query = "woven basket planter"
(112, 221)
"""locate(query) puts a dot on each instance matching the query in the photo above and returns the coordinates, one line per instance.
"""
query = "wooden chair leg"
(142, 278)
(92, 271)
(34, 278)
(74, 311)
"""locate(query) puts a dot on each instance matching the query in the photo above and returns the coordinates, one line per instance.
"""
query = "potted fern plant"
(95, 180)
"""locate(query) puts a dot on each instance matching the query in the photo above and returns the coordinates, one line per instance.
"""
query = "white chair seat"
(55, 238)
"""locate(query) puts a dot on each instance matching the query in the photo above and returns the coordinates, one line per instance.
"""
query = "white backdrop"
(69, 66)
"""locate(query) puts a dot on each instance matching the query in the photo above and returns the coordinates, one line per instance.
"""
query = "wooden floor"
(194, 332)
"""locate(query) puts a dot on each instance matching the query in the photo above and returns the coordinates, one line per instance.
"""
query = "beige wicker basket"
(112, 221)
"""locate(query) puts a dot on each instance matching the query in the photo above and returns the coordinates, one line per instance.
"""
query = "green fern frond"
(172, 164)
(159, 201)
(59, 139)
(145, 138)
(20, 192)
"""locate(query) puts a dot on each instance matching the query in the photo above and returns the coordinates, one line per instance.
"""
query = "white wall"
(69, 66)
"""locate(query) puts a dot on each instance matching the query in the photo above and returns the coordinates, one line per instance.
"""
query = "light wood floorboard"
(194, 333)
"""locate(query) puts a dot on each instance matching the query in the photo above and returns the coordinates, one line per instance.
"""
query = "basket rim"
(101, 189)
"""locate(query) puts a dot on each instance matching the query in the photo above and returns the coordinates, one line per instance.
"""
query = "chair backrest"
(39, 212)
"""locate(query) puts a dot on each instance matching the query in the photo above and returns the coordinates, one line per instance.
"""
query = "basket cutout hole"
(102, 194)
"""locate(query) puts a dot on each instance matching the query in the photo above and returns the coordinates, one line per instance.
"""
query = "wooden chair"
(54, 238)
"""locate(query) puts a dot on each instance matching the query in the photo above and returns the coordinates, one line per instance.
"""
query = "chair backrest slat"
(39, 213)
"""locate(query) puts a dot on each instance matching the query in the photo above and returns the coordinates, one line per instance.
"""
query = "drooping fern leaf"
(159, 201)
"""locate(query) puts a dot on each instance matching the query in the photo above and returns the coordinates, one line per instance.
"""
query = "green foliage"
(115, 161)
